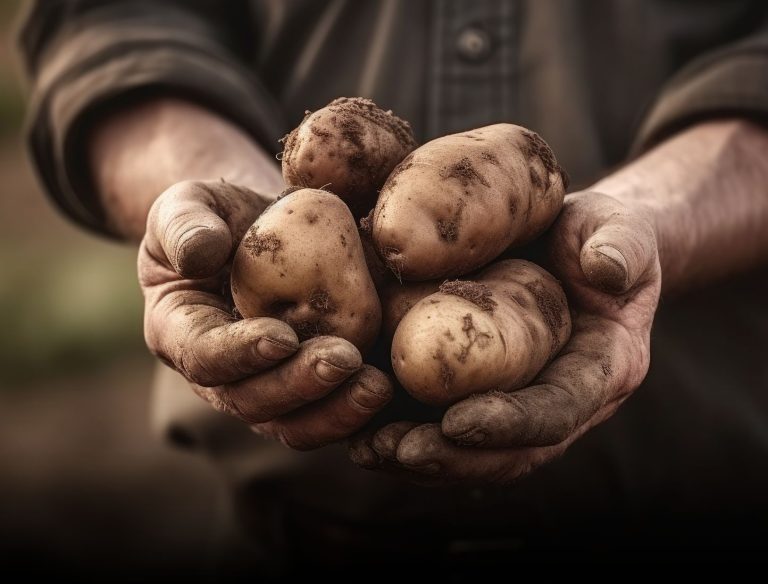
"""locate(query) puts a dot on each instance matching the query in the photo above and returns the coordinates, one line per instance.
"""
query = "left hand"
(605, 254)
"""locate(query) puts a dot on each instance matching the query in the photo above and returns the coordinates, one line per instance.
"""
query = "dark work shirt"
(600, 80)
(593, 77)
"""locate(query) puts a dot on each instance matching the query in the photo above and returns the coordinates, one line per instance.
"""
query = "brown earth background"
(82, 481)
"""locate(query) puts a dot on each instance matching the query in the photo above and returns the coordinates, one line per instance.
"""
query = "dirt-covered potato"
(398, 298)
(459, 201)
(495, 333)
(302, 262)
(349, 146)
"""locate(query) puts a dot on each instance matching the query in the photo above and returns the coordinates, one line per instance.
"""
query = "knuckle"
(195, 370)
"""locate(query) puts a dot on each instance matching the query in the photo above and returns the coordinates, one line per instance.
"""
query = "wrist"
(140, 150)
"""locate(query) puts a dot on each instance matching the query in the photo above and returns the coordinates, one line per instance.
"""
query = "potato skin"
(350, 146)
(398, 298)
(495, 333)
(457, 202)
(302, 262)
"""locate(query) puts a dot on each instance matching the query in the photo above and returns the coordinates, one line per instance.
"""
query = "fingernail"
(273, 350)
(613, 254)
(363, 455)
(366, 397)
(331, 373)
(470, 438)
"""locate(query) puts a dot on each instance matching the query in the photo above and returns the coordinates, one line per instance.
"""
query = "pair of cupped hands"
(313, 393)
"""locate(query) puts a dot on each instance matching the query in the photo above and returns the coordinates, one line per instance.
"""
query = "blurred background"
(79, 469)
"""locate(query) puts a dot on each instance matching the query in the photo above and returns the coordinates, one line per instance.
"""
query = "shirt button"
(474, 44)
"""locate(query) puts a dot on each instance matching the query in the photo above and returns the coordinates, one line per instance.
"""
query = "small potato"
(349, 146)
(457, 202)
(398, 298)
(302, 262)
(495, 333)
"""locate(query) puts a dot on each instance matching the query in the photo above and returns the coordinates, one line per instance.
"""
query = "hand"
(307, 394)
(605, 254)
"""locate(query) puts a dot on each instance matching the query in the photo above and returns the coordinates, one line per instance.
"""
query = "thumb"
(619, 253)
(188, 230)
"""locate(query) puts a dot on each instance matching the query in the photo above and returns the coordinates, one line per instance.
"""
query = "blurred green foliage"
(65, 310)
(69, 301)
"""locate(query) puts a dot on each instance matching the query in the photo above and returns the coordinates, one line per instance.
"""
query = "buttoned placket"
(472, 64)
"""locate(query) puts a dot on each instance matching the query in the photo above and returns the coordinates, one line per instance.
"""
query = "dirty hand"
(305, 394)
(605, 254)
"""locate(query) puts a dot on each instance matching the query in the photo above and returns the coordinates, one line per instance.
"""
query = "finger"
(319, 366)
(593, 369)
(194, 331)
(335, 417)
(362, 453)
(387, 439)
(618, 254)
(194, 225)
(425, 451)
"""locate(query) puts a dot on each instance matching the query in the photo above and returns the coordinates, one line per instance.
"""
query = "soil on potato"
(259, 243)
(465, 172)
(448, 229)
(551, 309)
(349, 116)
(536, 146)
(321, 301)
(476, 292)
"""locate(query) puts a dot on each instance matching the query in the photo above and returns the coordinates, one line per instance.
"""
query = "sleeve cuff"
(729, 86)
(67, 96)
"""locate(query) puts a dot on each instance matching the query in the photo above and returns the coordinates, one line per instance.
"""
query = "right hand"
(304, 394)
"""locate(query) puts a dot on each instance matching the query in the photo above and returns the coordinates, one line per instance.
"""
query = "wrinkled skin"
(304, 394)
(605, 254)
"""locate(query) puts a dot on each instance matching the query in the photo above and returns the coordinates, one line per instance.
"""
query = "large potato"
(302, 262)
(397, 299)
(349, 146)
(495, 333)
(459, 201)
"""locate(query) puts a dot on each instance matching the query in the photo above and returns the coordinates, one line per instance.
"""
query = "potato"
(302, 262)
(398, 298)
(495, 333)
(459, 201)
(349, 146)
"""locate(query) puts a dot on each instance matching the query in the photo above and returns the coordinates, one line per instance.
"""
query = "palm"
(606, 258)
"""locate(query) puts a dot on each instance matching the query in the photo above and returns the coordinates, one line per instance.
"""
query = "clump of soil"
(475, 292)
(474, 336)
(320, 133)
(367, 109)
(465, 172)
(320, 301)
(448, 230)
(536, 146)
(446, 373)
(551, 309)
(287, 191)
(366, 223)
(394, 261)
(259, 243)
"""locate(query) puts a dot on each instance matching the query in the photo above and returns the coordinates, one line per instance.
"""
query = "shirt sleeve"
(83, 56)
(732, 81)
